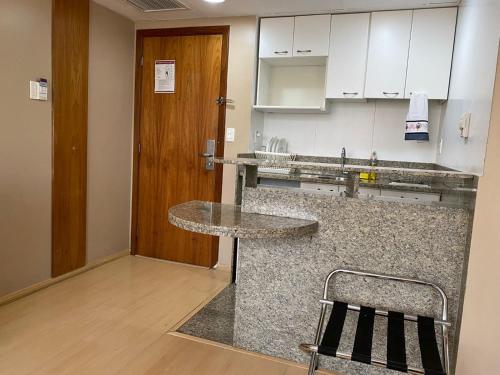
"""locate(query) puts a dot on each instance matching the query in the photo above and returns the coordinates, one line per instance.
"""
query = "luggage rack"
(396, 352)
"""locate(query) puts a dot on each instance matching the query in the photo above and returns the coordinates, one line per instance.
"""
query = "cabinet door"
(411, 195)
(276, 37)
(347, 56)
(311, 35)
(388, 54)
(431, 50)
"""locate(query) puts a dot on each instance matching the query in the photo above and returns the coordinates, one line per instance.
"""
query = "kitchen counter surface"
(228, 220)
(330, 167)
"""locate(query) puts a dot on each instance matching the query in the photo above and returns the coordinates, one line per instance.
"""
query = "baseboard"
(223, 267)
(46, 283)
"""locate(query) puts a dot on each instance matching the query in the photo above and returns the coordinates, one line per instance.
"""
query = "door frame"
(221, 127)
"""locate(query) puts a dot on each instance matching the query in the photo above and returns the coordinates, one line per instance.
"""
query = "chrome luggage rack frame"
(443, 322)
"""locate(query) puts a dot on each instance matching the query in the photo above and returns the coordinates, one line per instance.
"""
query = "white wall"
(25, 145)
(376, 125)
(478, 350)
(471, 86)
(110, 119)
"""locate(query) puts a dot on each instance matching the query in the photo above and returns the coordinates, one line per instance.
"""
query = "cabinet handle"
(390, 93)
(350, 93)
(304, 51)
(281, 52)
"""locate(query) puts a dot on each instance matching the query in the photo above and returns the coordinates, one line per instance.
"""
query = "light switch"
(230, 134)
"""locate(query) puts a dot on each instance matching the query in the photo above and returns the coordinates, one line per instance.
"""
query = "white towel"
(417, 120)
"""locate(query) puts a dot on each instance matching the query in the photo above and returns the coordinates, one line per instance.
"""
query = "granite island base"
(280, 282)
(275, 302)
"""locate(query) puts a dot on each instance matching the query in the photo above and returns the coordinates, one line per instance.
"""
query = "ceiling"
(201, 9)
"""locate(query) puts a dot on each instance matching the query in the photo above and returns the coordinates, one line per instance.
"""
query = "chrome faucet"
(342, 160)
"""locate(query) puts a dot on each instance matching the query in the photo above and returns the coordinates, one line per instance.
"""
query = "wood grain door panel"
(70, 54)
(174, 129)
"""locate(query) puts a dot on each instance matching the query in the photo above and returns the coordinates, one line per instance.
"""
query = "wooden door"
(70, 54)
(173, 132)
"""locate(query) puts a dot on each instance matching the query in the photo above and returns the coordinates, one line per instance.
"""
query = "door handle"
(304, 51)
(221, 101)
(209, 155)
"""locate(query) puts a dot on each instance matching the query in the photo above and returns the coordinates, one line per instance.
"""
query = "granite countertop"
(228, 220)
(331, 167)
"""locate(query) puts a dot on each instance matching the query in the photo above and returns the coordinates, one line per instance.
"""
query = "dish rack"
(275, 157)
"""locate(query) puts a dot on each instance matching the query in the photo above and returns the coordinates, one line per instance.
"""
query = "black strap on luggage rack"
(396, 347)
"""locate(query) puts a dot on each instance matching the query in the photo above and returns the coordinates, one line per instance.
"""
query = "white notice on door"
(164, 76)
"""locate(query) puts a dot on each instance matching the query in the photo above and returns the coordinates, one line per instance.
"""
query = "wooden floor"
(116, 319)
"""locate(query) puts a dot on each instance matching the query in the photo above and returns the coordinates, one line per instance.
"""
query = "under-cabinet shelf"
(286, 109)
(294, 85)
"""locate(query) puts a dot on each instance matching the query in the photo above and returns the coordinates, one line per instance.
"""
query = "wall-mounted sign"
(164, 76)
(39, 89)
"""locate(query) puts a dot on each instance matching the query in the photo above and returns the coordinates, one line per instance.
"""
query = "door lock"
(209, 155)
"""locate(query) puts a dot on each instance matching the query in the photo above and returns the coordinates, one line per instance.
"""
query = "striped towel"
(417, 120)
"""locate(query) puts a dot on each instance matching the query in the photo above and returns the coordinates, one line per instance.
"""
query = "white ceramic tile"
(298, 129)
(388, 139)
(359, 127)
(348, 125)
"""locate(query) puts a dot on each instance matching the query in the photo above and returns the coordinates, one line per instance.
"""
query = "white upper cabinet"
(431, 50)
(388, 54)
(347, 56)
(311, 35)
(276, 37)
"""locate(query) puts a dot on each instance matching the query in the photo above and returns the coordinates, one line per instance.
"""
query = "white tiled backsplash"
(376, 125)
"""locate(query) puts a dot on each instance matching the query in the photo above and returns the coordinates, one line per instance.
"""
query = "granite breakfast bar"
(280, 280)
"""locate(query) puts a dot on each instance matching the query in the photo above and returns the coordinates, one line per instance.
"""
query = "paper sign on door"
(164, 76)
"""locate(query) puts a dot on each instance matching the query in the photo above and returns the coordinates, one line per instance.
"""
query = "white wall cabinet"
(381, 55)
(431, 50)
(347, 56)
(388, 54)
(311, 35)
(276, 37)
(292, 64)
